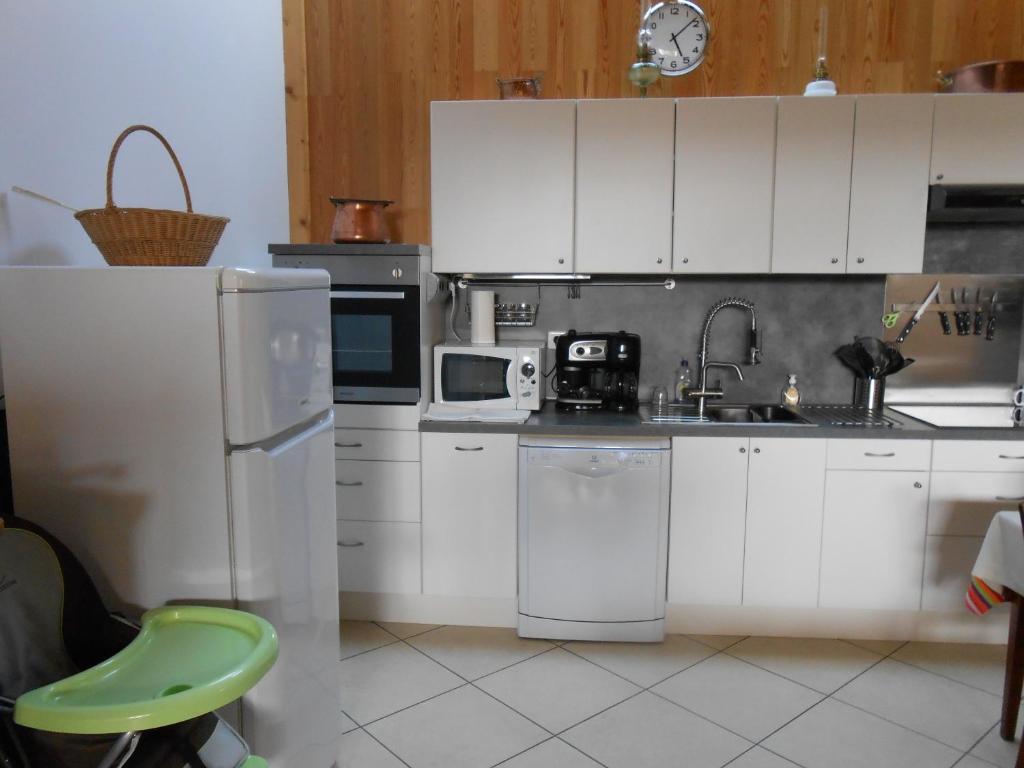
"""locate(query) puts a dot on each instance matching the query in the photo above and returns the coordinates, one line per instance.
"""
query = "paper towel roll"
(482, 311)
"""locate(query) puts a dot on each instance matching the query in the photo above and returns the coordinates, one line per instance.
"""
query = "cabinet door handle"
(460, 448)
(1005, 456)
(1009, 498)
(879, 455)
(348, 445)
(343, 484)
(350, 543)
(918, 485)
(757, 450)
(743, 450)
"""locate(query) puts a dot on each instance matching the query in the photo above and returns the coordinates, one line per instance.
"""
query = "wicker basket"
(134, 237)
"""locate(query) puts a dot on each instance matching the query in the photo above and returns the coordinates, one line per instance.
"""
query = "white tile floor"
(470, 697)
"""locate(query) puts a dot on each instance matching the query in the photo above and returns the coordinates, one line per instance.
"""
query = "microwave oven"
(489, 377)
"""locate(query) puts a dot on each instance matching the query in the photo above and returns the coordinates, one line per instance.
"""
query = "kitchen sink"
(724, 414)
(755, 414)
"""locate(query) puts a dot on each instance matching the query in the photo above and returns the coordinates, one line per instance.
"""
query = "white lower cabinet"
(708, 520)
(379, 557)
(783, 539)
(469, 514)
(377, 490)
(872, 548)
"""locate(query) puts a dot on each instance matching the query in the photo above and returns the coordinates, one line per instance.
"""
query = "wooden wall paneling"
(296, 118)
(371, 69)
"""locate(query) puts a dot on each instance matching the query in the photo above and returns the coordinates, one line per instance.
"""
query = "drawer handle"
(348, 445)
(460, 448)
(1009, 498)
(1005, 456)
(350, 543)
(879, 455)
(343, 484)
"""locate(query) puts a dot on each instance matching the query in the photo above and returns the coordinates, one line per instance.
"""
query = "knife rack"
(953, 368)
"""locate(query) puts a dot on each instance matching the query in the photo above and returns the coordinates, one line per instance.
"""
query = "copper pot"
(985, 77)
(360, 221)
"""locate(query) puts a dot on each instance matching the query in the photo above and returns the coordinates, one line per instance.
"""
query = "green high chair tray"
(186, 661)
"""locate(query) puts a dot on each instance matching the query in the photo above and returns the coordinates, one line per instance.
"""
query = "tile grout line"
(947, 677)
(386, 747)
(892, 722)
(472, 684)
(376, 720)
(975, 746)
(370, 650)
(415, 634)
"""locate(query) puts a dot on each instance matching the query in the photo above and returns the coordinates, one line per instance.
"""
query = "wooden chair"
(1014, 665)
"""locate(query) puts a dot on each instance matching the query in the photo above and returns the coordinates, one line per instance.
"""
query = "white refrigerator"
(174, 427)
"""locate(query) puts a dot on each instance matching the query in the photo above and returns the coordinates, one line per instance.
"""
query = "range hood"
(976, 204)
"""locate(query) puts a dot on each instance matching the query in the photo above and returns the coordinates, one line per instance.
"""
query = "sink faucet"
(703, 392)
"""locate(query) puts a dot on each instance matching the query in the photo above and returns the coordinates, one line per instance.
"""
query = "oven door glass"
(375, 333)
(471, 378)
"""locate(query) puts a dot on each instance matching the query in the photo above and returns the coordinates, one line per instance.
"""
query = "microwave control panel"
(530, 376)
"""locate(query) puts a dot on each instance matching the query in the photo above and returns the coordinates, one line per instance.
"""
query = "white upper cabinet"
(812, 184)
(724, 171)
(977, 139)
(892, 141)
(624, 185)
(502, 185)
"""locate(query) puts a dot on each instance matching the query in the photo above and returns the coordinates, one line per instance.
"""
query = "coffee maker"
(597, 371)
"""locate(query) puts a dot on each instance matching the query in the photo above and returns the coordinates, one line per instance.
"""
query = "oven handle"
(400, 295)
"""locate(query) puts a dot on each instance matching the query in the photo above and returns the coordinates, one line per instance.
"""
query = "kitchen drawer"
(978, 456)
(361, 416)
(378, 490)
(376, 444)
(905, 455)
(947, 571)
(379, 557)
(963, 503)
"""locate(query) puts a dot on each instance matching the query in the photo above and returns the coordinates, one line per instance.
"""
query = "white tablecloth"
(1000, 562)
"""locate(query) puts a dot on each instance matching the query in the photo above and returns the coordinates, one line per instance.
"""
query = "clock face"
(676, 32)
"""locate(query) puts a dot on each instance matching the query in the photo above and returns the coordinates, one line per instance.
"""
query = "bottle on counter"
(684, 383)
(790, 394)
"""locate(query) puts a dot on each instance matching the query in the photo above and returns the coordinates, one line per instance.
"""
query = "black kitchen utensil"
(990, 328)
(947, 329)
(871, 358)
(979, 315)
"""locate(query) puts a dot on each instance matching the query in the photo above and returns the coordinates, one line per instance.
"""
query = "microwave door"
(375, 334)
(478, 379)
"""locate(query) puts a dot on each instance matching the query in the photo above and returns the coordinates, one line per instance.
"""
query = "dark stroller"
(80, 688)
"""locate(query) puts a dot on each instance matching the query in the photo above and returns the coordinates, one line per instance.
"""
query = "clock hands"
(673, 37)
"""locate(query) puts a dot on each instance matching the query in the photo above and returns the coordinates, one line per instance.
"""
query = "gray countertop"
(548, 421)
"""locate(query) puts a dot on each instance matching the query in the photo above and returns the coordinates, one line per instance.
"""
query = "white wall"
(208, 74)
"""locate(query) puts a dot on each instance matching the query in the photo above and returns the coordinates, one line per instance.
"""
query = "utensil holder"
(869, 393)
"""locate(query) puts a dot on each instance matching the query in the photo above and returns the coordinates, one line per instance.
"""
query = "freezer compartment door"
(286, 566)
(593, 530)
(277, 360)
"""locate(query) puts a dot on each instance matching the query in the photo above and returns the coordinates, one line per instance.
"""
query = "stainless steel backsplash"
(955, 368)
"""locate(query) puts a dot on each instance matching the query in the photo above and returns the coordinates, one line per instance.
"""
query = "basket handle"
(113, 157)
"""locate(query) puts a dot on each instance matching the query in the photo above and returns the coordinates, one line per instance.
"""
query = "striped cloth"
(982, 596)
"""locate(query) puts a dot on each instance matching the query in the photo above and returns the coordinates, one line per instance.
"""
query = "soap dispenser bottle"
(790, 394)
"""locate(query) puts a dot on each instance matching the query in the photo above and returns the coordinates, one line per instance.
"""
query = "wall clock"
(677, 34)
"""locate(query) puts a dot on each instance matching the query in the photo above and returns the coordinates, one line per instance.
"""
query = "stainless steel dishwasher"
(593, 538)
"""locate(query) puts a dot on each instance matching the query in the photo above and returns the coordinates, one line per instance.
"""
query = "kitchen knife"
(979, 315)
(917, 315)
(990, 329)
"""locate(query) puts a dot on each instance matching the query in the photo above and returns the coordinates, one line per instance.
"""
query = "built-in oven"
(377, 317)
(375, 343)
